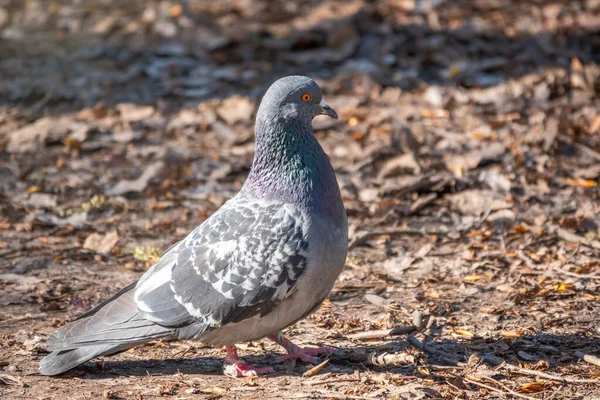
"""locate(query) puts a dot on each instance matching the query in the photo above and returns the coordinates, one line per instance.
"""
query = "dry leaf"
(73, 144)
(463, 333)
(176, 11)
(236, 109)
(522, 228)
(595, 125)
(517, 333)
(563, 287)
(102, 244)
(472, 278)
(139, 184)
(534, 387)
(316, 369)
(147, 254)
(584, 183)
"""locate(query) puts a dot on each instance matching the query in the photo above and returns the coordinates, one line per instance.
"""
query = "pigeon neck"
(290, 166)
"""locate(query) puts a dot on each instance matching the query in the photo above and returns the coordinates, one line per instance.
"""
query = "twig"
(499, 363)
(422, 202)
(23, 318)
(531, 265)
(502, 364)
(355, 378)
(576, 275)
(588, 357)
(581, 147)
(326, 382)
(380, 334)
(430, 350)
(572, 237)
(526, 259)
(23, 244)
(509, 390)
(316, 369)
(393, 232)
(182, 352)
(386, 359)
(331, 395)
(553, 395)
(493, 389)
(377, 358)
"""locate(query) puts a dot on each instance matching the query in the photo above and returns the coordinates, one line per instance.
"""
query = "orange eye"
(306, 97)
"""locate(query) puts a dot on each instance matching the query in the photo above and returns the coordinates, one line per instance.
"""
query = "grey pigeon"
(266, 259)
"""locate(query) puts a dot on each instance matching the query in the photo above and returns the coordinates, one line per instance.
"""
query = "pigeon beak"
(325, 109)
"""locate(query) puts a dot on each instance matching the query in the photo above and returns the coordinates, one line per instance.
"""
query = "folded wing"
(239, 263)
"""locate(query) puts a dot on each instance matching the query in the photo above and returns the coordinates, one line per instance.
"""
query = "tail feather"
(58, 362)
(113, 326)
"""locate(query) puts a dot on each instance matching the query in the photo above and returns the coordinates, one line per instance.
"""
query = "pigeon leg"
(234, 366)
(305, 354)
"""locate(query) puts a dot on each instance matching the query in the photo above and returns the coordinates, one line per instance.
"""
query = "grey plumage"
(113, 326)
(264, 260)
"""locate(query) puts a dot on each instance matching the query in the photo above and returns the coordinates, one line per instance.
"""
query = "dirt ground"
(467, 151)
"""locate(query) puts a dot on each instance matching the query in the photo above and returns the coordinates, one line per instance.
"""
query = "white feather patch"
(158, 278)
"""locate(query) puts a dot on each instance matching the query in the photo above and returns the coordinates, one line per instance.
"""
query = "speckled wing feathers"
(239, 263)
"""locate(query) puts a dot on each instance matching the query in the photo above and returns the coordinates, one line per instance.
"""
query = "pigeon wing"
(239, 263)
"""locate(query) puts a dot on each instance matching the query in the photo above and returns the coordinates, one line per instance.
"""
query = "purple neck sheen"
(290, 166)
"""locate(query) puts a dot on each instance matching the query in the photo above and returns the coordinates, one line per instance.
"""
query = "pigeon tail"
(112, 327)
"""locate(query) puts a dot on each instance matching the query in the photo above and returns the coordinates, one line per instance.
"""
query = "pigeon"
(263, 261)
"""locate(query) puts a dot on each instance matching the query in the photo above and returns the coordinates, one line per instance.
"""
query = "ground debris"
(466, 149)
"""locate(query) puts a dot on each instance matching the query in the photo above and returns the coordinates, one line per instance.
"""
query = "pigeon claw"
(241, 369)
(298, 356)
(234, 366)
(307, 354)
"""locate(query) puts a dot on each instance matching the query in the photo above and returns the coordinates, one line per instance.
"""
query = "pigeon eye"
(306, 97)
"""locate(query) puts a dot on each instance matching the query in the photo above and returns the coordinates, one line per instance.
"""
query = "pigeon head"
(294, 98)
(289, 163)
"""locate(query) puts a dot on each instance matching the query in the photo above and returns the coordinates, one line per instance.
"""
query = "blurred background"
(467, 150)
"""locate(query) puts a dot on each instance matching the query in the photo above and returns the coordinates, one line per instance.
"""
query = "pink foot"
(306, 354)
(234, 366)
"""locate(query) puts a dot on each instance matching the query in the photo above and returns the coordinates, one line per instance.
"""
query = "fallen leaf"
(75, 220)
(595, 125)
(176, 11)
(10, 380)
(133, 113)
(352, 121)
(19, 279)
(563, 287)
(476, 158)
(47, 129)
(463, 333)
(147, 254)
(41, 200)
(477, 202)
(520, 228)
(534, 387)
(235, 109)
(316, 369)
(398, 165)
(72, 144)
(35, 344)
(526, 356)
(584, 183)
(472, 278)
(136, 185)
(102, 244)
